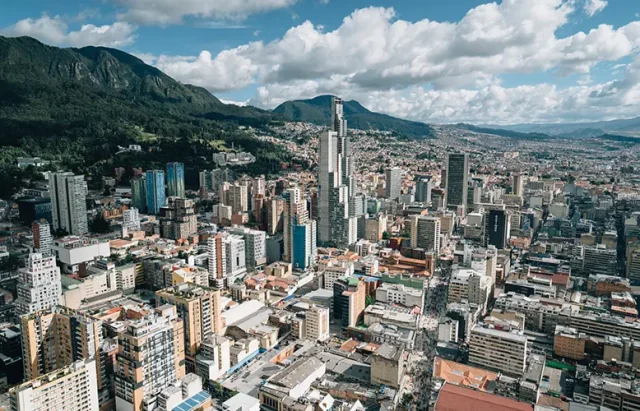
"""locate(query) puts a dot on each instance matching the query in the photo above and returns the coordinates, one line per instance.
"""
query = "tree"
(368, 300)
(386, 235)
(407, 399)
(100, 225)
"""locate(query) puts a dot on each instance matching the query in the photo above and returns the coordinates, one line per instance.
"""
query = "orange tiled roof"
(454, 398)
(463, 375)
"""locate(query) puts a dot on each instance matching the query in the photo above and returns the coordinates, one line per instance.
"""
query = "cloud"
(166, 12)
(592, 7)
(54, 30)
(148, 58)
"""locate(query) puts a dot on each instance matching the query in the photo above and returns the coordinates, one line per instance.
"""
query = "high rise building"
(337, 223)
(299, 231)
(393, 179)
(39, 286)
(237, 196)
(130, 221)
(56, 338)
(423, 190)
(457, 180)
(42, 240)
(255, 246)
(155, 191)
(275, 210)
(518, 184)
(71, 388)
(150, 358)
(175, 180)
(213, 179)
(425, 233)
(498, 228)
(217, 260)
(139, 193)
(68, 203)
(178, 219)
(236, 257)
(349, 295)
(317, 324)
(199, 308)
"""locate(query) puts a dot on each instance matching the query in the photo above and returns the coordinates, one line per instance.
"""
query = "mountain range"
(318, 111)
(629, 126)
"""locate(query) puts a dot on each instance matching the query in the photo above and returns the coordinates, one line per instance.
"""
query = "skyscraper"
(39, 286)
(68, 203)
(175, 180)
(393, 179)
(42, 240)
(139, 194)
(498, 226)
(457, 180)
(217, 260)
(423, 190)
(518, 184)
(425, 233)
(155, 191)
(337, 223)
(150, 358)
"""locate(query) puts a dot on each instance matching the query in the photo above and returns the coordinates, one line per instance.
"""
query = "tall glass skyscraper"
(175, 180)
(155, 191)
(139, 194)
(457, 180)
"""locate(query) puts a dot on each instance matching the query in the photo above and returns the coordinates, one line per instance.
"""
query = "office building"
(336, 221)
(633, 261)
(235, 258)
(42, 239)
(498, 228)
(275, 211)
(469, 285)
(393, 179)
(214, 358)
(175, 180)
(400, 294)
(518, 184)
(255, 246)
(423, 190)
(154, 183)
(217, 261)
(68, 194)
(56, 338)
(457, 180)
(178, 219)
(499, 350)
(425, 233)
(288, 387)
(349, 295)
(237, 197)
(569, 343)
(139, 193)
(200, 310)
(150, 358)
(317, 323)
(130, 221)
(39, 286)
(72, 388)
(211, 180)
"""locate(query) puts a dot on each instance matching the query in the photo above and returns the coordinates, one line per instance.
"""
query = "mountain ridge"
(317, 110)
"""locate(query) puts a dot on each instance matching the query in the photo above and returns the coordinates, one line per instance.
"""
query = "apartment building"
(499, 350)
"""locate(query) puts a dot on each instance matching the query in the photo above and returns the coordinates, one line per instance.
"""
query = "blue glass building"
(139, 194)
(175, 180)
(155, 191)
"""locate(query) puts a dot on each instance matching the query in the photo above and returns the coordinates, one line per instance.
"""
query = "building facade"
(68, 194)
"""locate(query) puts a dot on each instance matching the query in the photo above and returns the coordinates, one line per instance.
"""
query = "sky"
(503, 62)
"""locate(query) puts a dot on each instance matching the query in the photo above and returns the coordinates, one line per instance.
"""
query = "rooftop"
(296, 373)
(455, 398)
(460, 374)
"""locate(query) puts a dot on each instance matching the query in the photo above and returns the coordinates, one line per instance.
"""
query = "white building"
(255, 246)
(214, 359)
(236, 257)
(68, 203)
(72, 251)
(399, 294)
(499, 350)
(317, 323)
(130, 221)
(333, 269)
(71, 388)
(470, 285)
(39, 285)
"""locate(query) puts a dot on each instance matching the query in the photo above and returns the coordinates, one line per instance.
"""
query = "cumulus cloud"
(592, 7)
(54, 30)
(165, 12)
(375, 50)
